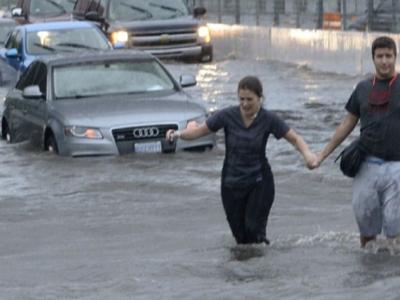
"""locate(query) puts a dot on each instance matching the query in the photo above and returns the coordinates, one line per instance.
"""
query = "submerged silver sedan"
(107, 103)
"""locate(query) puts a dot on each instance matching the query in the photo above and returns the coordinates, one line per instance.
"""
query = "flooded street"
(149, 226)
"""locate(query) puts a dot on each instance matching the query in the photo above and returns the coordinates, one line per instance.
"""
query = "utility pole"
(370, 9)
(298, 12)
(237, 11)
(344, 15)
(276, 12)
(394, 15)
(320, 14)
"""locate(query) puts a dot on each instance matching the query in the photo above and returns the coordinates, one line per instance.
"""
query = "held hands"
(313, 160)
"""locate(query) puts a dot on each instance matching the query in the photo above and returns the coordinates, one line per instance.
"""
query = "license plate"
(151, 147)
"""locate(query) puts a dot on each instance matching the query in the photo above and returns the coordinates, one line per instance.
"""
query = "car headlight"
(203, 34)
(83, 132)
(119, 37)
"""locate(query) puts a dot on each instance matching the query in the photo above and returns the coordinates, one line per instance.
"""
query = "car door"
(16, 107)
(36, 109)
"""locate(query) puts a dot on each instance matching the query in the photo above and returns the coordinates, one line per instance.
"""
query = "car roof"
(72, 58)
(57, 25)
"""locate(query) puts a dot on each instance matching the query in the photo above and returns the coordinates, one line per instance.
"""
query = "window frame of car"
(12, 41)
(35, 74)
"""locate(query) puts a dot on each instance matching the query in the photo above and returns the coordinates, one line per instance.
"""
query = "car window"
(85, 80)
(29, 76)
(45, 42)
(84, 6)
(51, 7)
(40, 77)
(14, 40)
(128, 10)
(5, 29)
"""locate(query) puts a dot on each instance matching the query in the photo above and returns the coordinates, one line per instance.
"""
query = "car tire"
(51, 144)
(6, 133)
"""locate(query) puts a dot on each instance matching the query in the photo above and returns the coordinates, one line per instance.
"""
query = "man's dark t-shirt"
(377, 104)
(245, 147)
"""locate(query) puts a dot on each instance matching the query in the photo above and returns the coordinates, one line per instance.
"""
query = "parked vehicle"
(382, 18)
(6, 25)
(107, 103)
(165, 28)
(38, 11)
(27, 42)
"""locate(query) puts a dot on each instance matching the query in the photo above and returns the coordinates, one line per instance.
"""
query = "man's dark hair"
(384, 42)
(251, 83)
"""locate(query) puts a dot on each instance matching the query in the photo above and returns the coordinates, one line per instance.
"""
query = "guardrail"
(321, 50)
(363, 15)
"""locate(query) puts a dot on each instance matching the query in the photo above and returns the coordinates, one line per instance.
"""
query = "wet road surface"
(152, 226)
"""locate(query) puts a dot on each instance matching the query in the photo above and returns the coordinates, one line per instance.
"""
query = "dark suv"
(165, 28)
(35, 11)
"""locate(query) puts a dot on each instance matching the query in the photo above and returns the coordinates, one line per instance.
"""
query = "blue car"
(27, 42)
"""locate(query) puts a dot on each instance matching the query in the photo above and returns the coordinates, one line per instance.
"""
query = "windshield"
(67, 40)
(51, 7)
(131, 10)
(121, 77)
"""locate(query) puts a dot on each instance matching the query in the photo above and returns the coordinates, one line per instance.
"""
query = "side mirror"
(16, 12)
(32, 92)
(187, 80)
(12, 53)
(199, 12)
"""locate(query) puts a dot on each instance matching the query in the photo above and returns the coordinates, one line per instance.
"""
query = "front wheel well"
(4, 127)
(50, 142)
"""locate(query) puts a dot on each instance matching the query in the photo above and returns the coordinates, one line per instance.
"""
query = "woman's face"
(249, 102)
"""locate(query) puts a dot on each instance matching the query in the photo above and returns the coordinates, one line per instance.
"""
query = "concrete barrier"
(343, 52)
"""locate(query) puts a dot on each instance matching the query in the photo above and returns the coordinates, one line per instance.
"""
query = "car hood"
(167, 25)
(124, 111)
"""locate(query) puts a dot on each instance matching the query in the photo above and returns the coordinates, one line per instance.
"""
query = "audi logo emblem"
(146, 132)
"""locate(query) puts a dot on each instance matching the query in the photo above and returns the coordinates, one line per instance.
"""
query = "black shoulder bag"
(351, 158)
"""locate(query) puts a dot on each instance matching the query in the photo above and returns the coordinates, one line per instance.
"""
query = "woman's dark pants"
(247, 209)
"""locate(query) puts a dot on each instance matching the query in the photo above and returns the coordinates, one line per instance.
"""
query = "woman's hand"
(316, 162)
(311, 160)
(172, 135)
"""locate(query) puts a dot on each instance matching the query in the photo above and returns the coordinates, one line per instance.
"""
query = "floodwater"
(152, 226)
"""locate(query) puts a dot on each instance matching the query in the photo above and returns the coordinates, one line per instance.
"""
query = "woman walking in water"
(247, 183)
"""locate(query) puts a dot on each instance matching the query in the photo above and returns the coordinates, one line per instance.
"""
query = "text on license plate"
(151, 147)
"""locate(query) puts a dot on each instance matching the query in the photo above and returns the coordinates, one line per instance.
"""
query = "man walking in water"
(376, 187)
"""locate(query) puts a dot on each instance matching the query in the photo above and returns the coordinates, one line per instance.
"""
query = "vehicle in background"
(6, 25)
(382, 18)
(27, 42)
(36, 11)
(109, 103)
(165, 28)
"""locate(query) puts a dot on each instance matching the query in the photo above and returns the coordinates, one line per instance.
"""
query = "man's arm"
(341, 133)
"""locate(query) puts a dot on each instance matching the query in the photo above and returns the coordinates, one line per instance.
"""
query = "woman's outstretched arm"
(189, 133)
(298, 142)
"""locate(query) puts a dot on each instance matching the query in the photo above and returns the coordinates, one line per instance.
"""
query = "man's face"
(384, 61)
